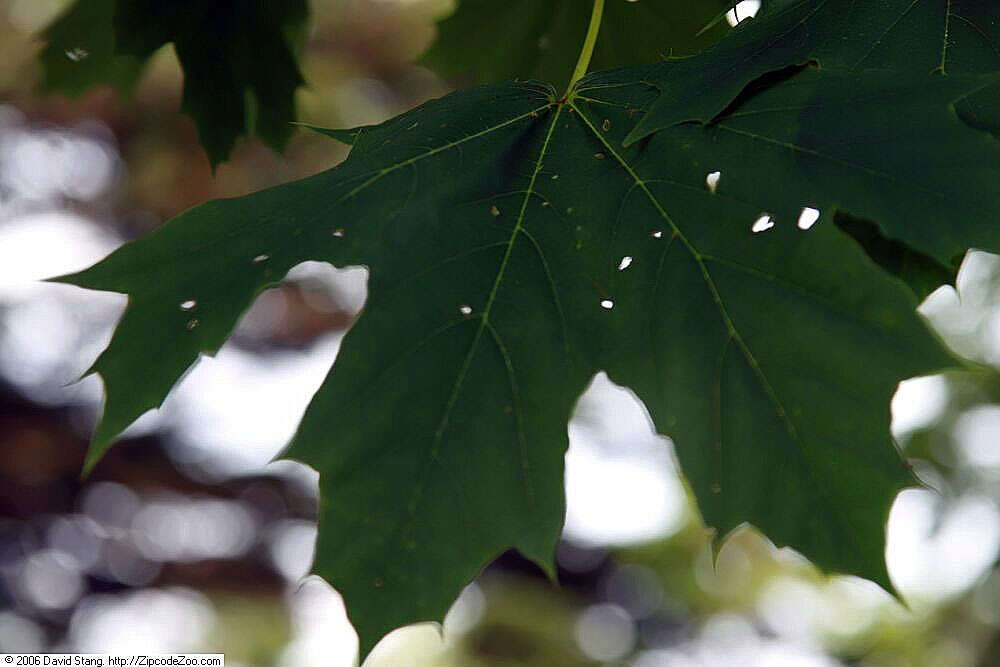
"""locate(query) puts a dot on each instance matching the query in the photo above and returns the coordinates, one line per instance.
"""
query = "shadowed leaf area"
(921, 273)
(940, 37)
(516, 246)
(240, 71)
(486, 41)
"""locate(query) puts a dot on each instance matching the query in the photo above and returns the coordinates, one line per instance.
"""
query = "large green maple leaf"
(240, 70)
(516, 246)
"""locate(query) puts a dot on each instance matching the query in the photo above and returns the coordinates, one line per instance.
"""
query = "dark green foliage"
(982, 109)
(488, 41)
(770, 358)
(940, 37)
(517, 244)
(921, 273)
(240, 71)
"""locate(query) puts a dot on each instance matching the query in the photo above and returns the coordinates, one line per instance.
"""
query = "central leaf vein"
(484, 325)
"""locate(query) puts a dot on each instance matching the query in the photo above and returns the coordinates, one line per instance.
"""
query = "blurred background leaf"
(240, 69)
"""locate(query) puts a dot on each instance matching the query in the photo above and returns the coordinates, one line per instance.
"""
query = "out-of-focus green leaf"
(240, 71)
(515, 248)
(494, 40)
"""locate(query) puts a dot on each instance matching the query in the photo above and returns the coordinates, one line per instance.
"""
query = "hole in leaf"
(607, 304)
(192, 323)
(494, 211)
(261, 258)
(339, 232)
(808, 217)
(465, 309)
(657, 234)
(762, 224)
(712, 181)
(742, 11)
(77, 54)
(189, 304)
(625, 263)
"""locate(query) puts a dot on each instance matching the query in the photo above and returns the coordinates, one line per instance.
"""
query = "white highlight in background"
(621, 481)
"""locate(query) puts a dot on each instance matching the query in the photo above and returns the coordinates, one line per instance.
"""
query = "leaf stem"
(588, 45)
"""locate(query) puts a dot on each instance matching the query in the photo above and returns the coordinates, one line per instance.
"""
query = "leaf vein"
(552, 286)
(814, 153)
(889, 28)
(434, 449)
(751, 360)
(516, 408)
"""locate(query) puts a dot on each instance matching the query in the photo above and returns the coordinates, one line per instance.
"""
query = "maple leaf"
(494, 245)
(752, 276)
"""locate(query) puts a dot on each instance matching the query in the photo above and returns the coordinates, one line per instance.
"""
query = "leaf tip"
(91, 459)
(637, 133)
(347, 136)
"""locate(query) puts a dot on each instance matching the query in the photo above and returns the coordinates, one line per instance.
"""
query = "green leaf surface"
(515, 249)
(982, 109)
(913, 36)
(487, 40)
(921, 273)
(240, 71)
